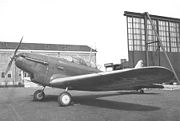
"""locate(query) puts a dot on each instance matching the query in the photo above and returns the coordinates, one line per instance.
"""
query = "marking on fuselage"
(60, 67)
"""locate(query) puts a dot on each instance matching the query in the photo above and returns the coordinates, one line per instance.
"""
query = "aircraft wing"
(126, 79)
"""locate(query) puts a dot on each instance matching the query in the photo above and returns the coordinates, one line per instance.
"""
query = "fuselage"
(44, 68)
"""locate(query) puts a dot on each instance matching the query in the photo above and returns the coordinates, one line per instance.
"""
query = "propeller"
(12, 58)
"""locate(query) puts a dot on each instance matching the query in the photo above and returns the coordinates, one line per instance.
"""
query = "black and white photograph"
(89, 60)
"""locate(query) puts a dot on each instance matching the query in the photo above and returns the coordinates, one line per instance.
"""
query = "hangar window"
(167, 28)
(3, 75)
(26, 74)
(136, 34)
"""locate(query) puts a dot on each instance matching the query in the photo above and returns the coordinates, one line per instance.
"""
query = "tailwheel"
(141, 91)
(64, 99)
(39, 95)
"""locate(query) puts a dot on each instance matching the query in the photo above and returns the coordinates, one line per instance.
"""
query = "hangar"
(16, 77)
(144, 44)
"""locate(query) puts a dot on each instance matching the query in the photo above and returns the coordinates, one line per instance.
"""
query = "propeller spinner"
(14, 56)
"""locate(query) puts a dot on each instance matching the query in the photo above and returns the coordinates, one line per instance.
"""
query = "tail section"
(139, 64)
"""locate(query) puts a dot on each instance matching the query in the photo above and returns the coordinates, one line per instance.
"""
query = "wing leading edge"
(126, 79)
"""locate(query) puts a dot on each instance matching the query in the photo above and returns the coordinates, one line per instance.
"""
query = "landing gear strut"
(39, 95)
(65, 98)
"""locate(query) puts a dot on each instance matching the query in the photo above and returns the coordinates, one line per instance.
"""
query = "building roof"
(156, 17)
(47, 47)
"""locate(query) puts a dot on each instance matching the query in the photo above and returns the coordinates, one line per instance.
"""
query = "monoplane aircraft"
(61, 73)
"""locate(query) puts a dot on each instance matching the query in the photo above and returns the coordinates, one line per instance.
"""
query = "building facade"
(16, 77)
(143, 43)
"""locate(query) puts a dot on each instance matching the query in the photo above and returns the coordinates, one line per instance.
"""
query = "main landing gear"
(39, 95)
(65, 98)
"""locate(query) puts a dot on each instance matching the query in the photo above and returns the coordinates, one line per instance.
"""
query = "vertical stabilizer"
(139, 64)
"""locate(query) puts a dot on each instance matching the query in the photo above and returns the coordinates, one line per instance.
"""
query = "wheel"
(39, 95)
(141, 91)
(64, 99)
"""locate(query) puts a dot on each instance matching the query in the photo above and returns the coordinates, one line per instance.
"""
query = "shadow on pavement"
(92, 100)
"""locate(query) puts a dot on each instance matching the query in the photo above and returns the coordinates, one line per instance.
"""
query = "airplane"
(68, 75)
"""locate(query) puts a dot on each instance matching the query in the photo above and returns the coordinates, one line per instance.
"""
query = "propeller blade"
(18, 47)
(10, 63)
(9, 66)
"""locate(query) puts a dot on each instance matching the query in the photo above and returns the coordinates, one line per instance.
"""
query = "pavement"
(16, 104)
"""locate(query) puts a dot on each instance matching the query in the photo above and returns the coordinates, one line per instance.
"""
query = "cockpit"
(80, 61)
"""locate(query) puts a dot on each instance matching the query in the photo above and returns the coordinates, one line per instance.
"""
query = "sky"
(99, 24)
